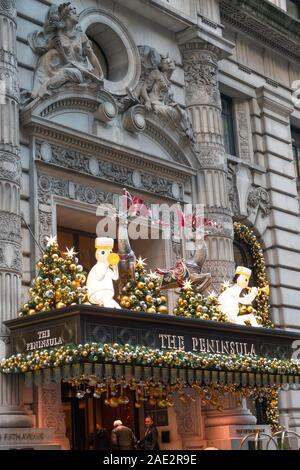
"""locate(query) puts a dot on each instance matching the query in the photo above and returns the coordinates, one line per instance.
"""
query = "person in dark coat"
(150, 441)
(122, 437)
(99, 440)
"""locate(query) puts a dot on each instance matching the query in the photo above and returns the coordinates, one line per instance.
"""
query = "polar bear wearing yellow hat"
(100, 279)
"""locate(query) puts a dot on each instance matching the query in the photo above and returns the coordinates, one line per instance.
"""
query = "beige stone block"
(285, 221)
(32, 8)
(25, 241)
(283, 202)
(286, 277)
(25, 210)
(281, 166)
(282, 184)
(25, 185)
(279, 257)
(285, 297)
(277, 147)
(281, 238)
(25, 156)
(26, 274)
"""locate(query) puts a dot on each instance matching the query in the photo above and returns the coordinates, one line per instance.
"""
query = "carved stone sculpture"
(66, 54)
(155, 93)
(201, 281)
(127, 255)
(259, 198)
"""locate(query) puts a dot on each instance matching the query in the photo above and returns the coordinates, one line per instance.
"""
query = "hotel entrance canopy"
(86, 340)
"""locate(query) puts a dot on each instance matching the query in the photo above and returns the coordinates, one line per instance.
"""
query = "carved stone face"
(70, 17)
(167, 64)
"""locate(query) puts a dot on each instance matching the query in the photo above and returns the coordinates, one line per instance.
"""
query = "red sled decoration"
(174, 277)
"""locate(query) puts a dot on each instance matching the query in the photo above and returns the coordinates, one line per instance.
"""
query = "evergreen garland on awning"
(144, 356)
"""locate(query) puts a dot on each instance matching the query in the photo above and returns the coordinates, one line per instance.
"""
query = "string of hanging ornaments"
(154, 389)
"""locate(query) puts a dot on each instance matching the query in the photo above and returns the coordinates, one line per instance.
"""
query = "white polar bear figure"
(230, 299)
(100, 279)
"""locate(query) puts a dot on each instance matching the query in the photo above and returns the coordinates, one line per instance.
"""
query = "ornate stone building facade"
(134, 94)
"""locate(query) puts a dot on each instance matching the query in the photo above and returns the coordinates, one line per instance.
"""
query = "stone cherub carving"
(154, 89)
(66, 54)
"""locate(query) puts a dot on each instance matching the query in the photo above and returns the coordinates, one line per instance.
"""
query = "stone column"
(222, 428)
(50, 414)
(11, 412)
(200, 62)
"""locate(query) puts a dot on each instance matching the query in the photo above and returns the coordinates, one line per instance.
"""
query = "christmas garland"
(246, 235)
(142, 355)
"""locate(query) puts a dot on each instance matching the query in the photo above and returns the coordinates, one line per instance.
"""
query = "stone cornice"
(110, 152)
(271, 101)
(264, 23)
(198, 38)
(83, 164)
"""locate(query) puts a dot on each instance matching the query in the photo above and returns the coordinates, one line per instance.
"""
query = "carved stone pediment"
(81, 110)
(73, 99)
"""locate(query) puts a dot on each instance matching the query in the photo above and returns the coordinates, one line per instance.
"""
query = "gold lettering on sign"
(44, 341)
(172, 342)
(206, 345)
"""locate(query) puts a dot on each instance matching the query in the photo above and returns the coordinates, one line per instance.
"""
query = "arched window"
(100, 56)
(243, 257)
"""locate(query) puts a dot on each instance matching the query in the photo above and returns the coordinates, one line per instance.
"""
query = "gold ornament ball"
(140, 285)
(149, 298)
(162, 404)
(151, 285)
(151, 310)
(163, 298)
(60, 305)
(114, 402)
(127, 305)
(55, 257)
(163, 309)
(31, 311)
(123, 400)
(152, 401)
(72, 267)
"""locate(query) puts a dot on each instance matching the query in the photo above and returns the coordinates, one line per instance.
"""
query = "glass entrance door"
(85, 417)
